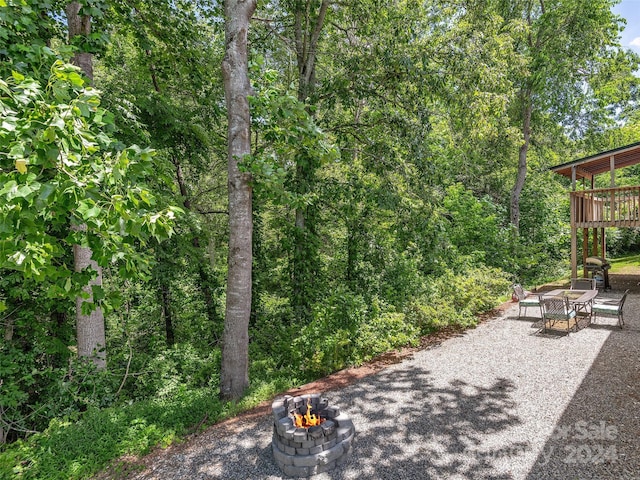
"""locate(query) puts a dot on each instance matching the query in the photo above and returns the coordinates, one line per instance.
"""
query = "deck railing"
(606, 207)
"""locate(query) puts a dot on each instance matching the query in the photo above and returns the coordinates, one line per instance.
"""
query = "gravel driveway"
(501, 401)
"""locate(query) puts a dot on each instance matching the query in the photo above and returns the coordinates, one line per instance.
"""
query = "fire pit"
(309, 436)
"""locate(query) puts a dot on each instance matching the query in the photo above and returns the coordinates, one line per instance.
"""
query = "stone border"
(302, 452)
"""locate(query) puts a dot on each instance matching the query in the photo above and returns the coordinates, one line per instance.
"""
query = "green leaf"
(57, 122)
(18, 258)
(76, 79)
(17, 151)
(92, 212)
(46, 191)
(24, 191)
(49, 135)
(53, 153)
(9, 124)
(84, 109)
(97, 292)
(10, 186)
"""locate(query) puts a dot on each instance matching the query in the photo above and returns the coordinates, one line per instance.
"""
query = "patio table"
(581, 300)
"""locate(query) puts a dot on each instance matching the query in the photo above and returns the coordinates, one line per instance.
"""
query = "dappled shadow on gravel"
(406, 427)
(409, 428)
(597, 435)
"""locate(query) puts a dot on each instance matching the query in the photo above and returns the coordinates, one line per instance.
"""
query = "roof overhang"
(602, 162)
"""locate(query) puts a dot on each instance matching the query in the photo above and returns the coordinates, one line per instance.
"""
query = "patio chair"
(525, 299)
(583, 284)
(609, 307)
(557, 309)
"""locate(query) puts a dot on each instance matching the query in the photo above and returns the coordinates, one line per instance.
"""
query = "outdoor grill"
(599, 269)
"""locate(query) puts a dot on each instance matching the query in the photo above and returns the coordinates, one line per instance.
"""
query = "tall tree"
(564, 44)
(180, 113)
(234, 374)
(89, 321)
(309, 18)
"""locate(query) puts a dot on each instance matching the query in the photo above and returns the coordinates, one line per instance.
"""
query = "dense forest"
(204, 203)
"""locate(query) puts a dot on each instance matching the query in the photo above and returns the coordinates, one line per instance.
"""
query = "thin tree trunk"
(522, 164)
(89, 327)
(165, 293)
(8, 329)
(205, 280)
(152, 70)
(307, 30)
(3, 432)
(307, 37)
(234, 375)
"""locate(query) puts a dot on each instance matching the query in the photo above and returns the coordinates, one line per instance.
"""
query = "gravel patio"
(501, 401)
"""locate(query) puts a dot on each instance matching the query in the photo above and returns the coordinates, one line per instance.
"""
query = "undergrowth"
(180, 393)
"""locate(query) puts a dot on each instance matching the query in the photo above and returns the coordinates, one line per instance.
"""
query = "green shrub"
(383, 333)
(431, 317)
(327, 343)
(347, 331)
(80, 445)
(271, 333)
(180, 366)
(457, 299)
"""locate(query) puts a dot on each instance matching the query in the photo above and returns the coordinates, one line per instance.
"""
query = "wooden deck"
(606, 207)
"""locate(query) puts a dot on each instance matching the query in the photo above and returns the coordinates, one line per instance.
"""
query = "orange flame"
(308, 419)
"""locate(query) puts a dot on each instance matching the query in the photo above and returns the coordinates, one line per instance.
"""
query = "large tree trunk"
(90, 328)
(234, 375)
(80, 25)
(522, 164)
(90, 332)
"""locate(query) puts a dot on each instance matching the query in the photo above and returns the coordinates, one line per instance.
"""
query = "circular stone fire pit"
(302, 452)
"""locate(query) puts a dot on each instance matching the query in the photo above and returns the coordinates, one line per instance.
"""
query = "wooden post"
(612, 169)
(574, 252)
(574, 230)
(585, 250)
(603, 244)
(594, 247)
